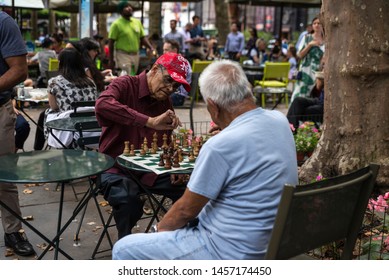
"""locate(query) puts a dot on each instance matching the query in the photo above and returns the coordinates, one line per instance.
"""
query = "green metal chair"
(275, 75)
(316, 214)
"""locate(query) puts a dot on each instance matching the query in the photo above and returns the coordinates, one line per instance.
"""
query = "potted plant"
(306, 139)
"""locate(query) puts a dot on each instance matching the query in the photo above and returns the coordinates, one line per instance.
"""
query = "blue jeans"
(181, 244)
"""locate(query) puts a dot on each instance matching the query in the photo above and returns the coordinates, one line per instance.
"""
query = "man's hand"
(215, 129)
(165, 121)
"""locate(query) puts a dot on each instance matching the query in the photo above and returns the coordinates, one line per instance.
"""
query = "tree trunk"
(222, 24)
(155, 19)
(73, 32)
(102, 28)
(356, 118)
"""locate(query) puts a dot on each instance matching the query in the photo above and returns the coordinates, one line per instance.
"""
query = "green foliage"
(307, 137)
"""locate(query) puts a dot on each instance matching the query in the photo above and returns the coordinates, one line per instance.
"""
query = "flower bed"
(373, 238)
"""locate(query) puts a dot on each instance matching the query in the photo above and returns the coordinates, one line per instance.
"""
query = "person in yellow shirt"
(125, 36)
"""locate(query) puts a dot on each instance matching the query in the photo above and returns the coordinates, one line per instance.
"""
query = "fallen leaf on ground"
(27, 191)
(9, 252)
(103, 203)
(43, 246)
(28, 218)
(47, 189)
(91, 223)
(33, 185)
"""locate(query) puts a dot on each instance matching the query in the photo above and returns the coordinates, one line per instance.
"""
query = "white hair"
(225, 83)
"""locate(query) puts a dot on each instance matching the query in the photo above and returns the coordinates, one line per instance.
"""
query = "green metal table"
(53, 166)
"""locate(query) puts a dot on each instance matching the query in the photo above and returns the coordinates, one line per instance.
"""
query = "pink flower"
(315, 130)
(319, 177)
(386, 196)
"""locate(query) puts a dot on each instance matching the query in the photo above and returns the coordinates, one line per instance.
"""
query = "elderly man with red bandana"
(130, 109)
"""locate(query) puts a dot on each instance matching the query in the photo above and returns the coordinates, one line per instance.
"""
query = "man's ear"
(213, 108)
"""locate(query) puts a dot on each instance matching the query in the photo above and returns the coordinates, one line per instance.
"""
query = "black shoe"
(19, 243)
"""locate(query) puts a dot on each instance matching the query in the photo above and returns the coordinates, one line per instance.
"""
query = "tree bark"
(356, 116)
(155, 19)
(222, 23)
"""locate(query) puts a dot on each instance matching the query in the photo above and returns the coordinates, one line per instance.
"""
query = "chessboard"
(151, 161)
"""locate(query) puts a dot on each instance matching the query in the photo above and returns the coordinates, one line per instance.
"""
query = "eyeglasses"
(168, 80)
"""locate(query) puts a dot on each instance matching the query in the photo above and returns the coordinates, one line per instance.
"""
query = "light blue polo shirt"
(242, 170)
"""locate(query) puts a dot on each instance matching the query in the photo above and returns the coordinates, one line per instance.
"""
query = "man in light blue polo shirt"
(236, 185)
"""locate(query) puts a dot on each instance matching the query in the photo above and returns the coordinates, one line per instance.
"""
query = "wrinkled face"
(161, 85)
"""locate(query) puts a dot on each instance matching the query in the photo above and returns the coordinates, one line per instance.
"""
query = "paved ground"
(41, 204)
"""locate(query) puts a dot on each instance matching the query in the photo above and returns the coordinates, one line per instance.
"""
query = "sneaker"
(19, 243)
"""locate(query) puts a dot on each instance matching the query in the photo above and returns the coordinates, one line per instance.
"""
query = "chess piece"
(142, 152)
(176, 163)
(132, 150)
(180, 157)
(185, 141)
(168, 163)
(191, 157)
(161, 162)
(145, 146)
(126, 150)
(164, 138)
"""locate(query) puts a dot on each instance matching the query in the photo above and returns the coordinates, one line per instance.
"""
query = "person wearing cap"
(308, 108)
(125, 37)
(130, 109)
(229, 207)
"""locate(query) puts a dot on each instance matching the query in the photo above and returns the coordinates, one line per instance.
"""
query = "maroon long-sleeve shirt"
(122, 111)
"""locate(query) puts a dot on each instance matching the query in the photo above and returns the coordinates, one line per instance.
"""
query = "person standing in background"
(310, 53)
(125, 37)
(174, 34)
(13, 70)
(186, 34)
(197, 38)
(234, 43)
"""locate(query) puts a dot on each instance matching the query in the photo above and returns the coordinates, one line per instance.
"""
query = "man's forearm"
(174, 219)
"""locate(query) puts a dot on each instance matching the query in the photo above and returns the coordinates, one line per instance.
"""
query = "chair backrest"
(276, 71)
(199, 65)
(51, 74)
(88, 134)
(313, 215)
(77, 105)
(53, 64)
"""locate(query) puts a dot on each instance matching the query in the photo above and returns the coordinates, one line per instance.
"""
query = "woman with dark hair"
(252, 40)
(72, 84)
(310, 52)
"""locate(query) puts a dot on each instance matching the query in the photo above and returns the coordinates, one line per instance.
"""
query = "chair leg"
(263, 95)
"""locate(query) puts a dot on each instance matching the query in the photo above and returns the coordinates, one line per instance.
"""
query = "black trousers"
(303, 109)
(123, 194)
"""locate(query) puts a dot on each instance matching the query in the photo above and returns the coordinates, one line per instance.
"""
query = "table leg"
(26, 223)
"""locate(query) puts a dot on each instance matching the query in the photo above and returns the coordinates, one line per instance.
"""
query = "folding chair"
(275, 75)
(53, 64)
(198, 67)
(313, 215)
